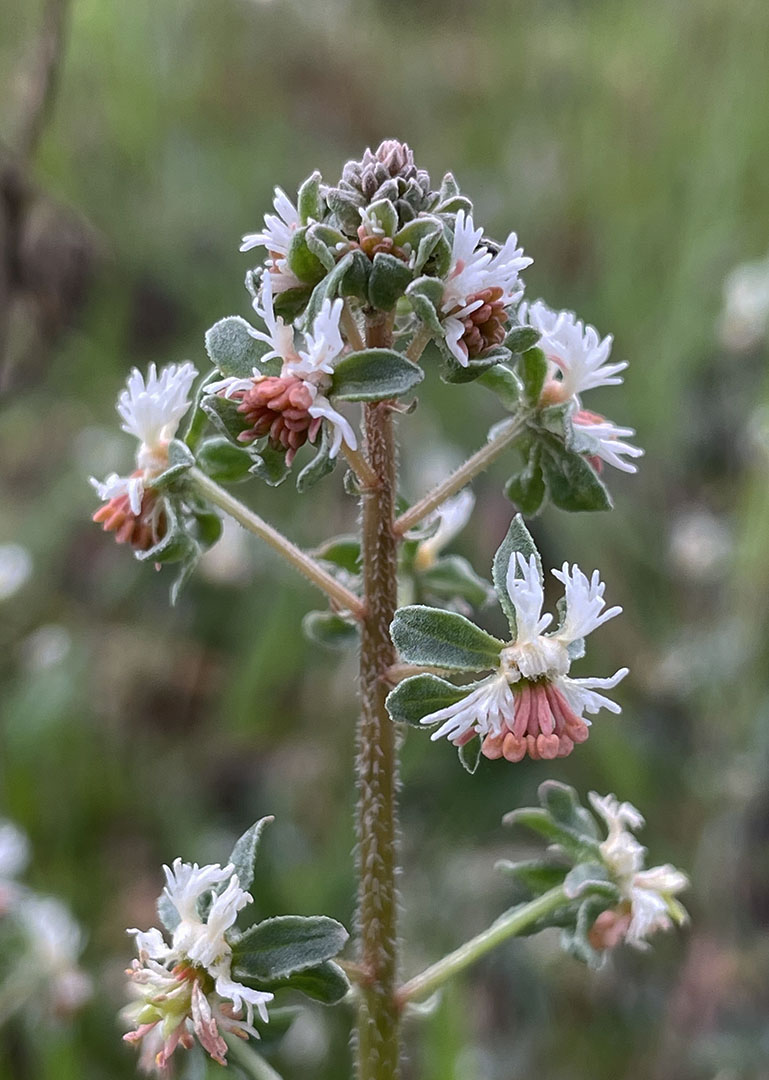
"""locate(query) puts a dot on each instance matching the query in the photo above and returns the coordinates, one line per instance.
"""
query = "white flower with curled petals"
(478, 280)
(531, 705)
(276, 237)
(186, 989)
(151, 409)
(647, 897)
(601, 439)
(310, 364)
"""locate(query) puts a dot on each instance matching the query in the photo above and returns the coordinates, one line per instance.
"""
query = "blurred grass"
(629, 147)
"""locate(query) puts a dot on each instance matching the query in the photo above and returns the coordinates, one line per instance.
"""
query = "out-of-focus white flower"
(451, 518)
(479, 289)
(744, 318)
(46, 647)
(228, 562)
(279, 229)
(151, 410)
(185, 990)
(648, 897)
(55, 944)
(15, 569)
(289, 408)
(14, 856)
(700, 544)
(531, 705)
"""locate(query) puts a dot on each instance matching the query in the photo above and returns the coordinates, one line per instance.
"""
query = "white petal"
(584, 603)
(342, 429)
(483, 710)
(581, 696)
(526, 592)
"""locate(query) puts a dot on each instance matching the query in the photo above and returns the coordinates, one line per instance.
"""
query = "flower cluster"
(185, 990)
(289, 408)
(480, 289)
(151, 409)
(606, 896)
(529, 705)
(578, 360)
(647, 898)
(39, 937)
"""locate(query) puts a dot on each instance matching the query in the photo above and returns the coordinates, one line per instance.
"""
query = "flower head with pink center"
(276, 237)
(530, 704)
(151, 409)
(480, 287)
(289, 408)
(647, 897)
(578, 361)
(185, 990)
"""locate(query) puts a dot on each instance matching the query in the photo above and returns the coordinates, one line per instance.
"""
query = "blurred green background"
(628, 144)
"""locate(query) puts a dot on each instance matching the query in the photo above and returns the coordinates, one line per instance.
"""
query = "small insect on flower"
(647, 897)
(289, 409)
(151, 410)
(480, 288)
(185, 990)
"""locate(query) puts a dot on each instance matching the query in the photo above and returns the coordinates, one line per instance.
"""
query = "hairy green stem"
(511, 924)
(479, 461)
(299, 559)
(419, 343)
(378, 1040)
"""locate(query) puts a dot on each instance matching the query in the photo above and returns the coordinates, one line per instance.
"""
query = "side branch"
(509, 925)
(480, 460)
(299, 559)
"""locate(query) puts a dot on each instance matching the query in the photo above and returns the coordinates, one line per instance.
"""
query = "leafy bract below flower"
(185, 990)
(530, 704)
(480, 288)
(647, 897)
(279, 229)
(578, 360)
(151, 410)
(289, 408)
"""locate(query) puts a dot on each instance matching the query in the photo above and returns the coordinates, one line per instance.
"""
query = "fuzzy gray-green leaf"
(278, 947)
(421, 695)
(374, 375)
(443, 639)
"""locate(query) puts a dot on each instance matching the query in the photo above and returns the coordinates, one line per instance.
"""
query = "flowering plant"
(370, 287)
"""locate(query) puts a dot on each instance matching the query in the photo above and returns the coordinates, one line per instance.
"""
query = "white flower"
(744, 319)
(55, 943)
(648, 899)
(279, 229)
(14, 851)
(602, 439)
(173, 982)
(15, 569)
(451, 518)
(575, 351)
(312, 363)
(474, 269)
(151, 410)
(531, 705)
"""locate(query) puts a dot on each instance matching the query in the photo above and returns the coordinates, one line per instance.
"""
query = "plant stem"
(480, 460)
(378, 1042)
(511, 924)
(302, 562)
(418, 343)
(350, 328)
(357, 462)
